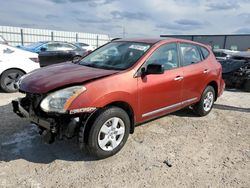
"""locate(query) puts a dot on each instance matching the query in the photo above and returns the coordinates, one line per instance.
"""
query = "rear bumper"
(222, 87)
(20, 111)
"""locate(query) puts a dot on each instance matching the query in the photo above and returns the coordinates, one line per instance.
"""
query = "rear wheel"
(205, 105)
(9, 78)
(108, 133)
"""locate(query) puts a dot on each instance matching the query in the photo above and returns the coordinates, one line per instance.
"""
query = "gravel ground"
(178, 150)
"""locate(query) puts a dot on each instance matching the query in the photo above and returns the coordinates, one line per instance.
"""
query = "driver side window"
(52, 46)
(165, 55)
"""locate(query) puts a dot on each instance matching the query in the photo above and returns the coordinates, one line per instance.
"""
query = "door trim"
(169, 107)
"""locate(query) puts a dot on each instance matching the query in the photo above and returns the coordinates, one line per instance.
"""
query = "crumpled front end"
(51, 124)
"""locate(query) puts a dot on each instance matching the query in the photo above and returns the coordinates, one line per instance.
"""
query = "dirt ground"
(178, 150)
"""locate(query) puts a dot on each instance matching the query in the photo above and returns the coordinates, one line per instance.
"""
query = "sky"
(130, 18)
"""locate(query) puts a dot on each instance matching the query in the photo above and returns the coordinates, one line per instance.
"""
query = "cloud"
(245, 17)
(188, 2)
(58, 1)
(93, 20)
(181, 25)
(91, 3)
(109, 27)
(130, 15)
(136, 17)
(187, 22)
(51, 16)
(244, 30)
(96, 3)
(175, 27)
(29, 25)
(228, 5)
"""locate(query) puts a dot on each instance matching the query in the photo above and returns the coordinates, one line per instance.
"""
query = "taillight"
(35, 59)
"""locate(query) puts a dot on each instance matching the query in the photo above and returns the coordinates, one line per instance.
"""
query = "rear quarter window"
(190, 54)
(204, 52)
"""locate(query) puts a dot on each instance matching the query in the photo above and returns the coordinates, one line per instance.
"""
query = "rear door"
(195, 72)
(159, 94)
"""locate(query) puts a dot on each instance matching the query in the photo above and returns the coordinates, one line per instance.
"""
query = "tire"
(76, 59)
(247, 85)
(108, 133)
(205, 105)
(8, 79)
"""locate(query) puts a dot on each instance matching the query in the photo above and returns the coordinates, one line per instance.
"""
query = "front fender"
(100, 101)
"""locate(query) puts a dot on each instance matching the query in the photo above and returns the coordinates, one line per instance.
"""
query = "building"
(239, 42)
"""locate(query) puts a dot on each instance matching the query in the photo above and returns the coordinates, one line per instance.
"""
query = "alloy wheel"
(111, 134)
(11, 79)
(208, 101)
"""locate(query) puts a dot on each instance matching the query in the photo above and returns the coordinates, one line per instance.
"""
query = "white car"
(14, 63)
(86, 47)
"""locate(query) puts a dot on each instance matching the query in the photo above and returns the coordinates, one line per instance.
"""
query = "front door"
(159, 94)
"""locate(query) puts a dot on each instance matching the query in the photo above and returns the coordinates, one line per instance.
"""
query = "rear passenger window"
(190, 54)
(205, 52)
(165, 55)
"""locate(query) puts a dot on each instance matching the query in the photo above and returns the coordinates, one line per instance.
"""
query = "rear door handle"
(177, 78)
(205, 71)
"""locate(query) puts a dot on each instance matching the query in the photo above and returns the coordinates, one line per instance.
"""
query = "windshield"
(116, 55)
(34, 45)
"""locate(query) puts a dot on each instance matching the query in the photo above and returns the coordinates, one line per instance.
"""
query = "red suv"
(121, 84)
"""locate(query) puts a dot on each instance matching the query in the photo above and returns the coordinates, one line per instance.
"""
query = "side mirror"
(43, 49)
(153, 69)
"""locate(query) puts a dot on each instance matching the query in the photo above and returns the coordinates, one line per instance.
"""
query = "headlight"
(59, 101)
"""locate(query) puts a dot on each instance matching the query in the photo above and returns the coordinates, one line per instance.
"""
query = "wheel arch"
(13, 68)
(127, 108)
(120, 104)
(214, 84)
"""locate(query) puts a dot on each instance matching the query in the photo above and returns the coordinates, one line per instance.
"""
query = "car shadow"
(186, 112)
(19, 139)
(231, 108)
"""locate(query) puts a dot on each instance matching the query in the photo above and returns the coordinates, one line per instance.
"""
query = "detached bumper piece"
(23, 113)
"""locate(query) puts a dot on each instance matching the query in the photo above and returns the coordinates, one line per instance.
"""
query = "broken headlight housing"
(60, 100)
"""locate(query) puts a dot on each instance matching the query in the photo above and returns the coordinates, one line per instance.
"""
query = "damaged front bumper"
(56, 125)
(23, 113)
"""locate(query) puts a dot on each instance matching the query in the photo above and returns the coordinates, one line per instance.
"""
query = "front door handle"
(205, 71)
(177, 78)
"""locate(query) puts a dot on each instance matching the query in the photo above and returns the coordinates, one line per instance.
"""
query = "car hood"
(26, 48)
(52, 77)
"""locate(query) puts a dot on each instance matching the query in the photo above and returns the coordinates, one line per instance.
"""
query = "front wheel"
(108, 133)
(205, 105)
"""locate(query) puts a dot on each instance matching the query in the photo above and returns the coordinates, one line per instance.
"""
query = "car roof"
(156, 40)
(143, 40)
(55, 41)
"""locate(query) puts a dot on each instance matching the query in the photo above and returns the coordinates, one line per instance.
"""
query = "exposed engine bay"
(236, 70)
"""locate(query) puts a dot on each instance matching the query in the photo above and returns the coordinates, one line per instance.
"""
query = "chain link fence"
(23, 36)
